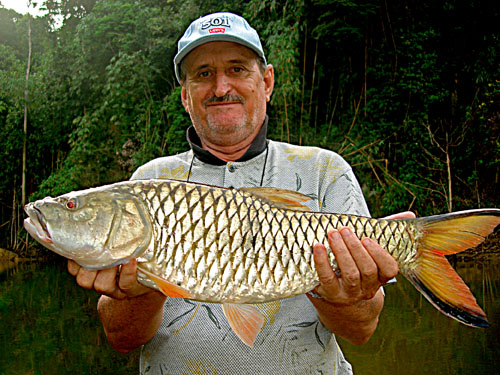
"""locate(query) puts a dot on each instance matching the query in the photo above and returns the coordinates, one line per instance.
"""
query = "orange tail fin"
(434, 277)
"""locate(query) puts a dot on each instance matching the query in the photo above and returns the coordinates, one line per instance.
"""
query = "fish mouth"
(36, 225)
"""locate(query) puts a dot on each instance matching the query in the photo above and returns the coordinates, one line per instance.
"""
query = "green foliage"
(280, 28)
(177, 118)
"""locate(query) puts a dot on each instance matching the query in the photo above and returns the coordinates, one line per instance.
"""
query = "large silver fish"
(243, 246)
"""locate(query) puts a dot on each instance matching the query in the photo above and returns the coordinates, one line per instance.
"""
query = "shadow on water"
(48, 325)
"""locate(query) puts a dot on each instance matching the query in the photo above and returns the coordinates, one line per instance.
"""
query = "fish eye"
(72, 203)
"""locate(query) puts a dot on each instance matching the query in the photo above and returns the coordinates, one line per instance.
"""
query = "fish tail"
(431, 273)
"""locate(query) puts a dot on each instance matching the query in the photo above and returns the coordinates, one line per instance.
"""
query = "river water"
(48, 325)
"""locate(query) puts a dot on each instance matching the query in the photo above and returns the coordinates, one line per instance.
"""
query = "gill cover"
(131, 229)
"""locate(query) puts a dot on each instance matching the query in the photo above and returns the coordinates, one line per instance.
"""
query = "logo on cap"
(218, 22)
(217, 30)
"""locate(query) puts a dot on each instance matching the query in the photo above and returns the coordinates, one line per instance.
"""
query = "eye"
(72, 204)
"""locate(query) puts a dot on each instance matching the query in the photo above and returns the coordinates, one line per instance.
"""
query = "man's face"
(225, 93)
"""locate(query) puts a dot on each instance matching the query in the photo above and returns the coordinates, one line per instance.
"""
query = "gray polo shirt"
(194, 337)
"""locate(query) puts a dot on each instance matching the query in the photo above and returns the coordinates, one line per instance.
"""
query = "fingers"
(73, 267)
(347, 288)
(359, 272)
(387, 267)
(364, 266)
(107, 282)
(327, 277)
(84, 278)
(103, 282)
(128, 280)
(362, 272)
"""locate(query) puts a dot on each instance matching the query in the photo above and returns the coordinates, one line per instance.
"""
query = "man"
(226, 84)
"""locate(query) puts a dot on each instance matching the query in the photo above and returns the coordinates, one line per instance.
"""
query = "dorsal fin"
(283, 198)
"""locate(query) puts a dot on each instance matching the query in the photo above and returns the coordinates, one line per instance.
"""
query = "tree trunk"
(23, 182)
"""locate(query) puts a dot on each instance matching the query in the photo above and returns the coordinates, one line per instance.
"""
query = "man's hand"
(129, 311)
(363, 266)
(352, 300)
(107, 282)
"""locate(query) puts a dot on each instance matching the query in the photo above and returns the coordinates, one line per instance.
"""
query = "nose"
(221, 85)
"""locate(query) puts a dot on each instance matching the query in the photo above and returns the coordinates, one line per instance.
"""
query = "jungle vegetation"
(408, 92)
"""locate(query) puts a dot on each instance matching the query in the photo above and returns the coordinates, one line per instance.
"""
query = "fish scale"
(242, 246)
(209, 237)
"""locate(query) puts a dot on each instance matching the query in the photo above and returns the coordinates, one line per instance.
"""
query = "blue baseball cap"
(227, 27)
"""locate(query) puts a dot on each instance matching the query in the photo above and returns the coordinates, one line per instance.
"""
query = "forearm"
(355, 323)
(131, 322)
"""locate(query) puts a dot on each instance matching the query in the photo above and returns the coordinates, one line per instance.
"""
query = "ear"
(184, 97)
(269, 81)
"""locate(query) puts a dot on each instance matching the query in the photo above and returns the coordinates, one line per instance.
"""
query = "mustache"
(225, 98)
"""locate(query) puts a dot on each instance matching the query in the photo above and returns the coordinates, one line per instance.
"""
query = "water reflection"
(49, 325)
(8, 260)
(413, 338)
(6, 265)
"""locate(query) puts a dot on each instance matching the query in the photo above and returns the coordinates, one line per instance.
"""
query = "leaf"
(318, 339)
(298, 181)
(304, 324)
(212, 316)
(176, 319)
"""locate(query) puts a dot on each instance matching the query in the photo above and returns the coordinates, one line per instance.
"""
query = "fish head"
(96, 228)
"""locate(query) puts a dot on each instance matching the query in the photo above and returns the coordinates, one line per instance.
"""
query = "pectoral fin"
(245, 320)
(168, 288)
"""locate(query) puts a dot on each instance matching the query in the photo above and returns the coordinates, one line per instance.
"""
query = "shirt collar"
(258, 145)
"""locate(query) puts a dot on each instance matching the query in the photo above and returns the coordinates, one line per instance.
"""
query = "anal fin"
(245, 320)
